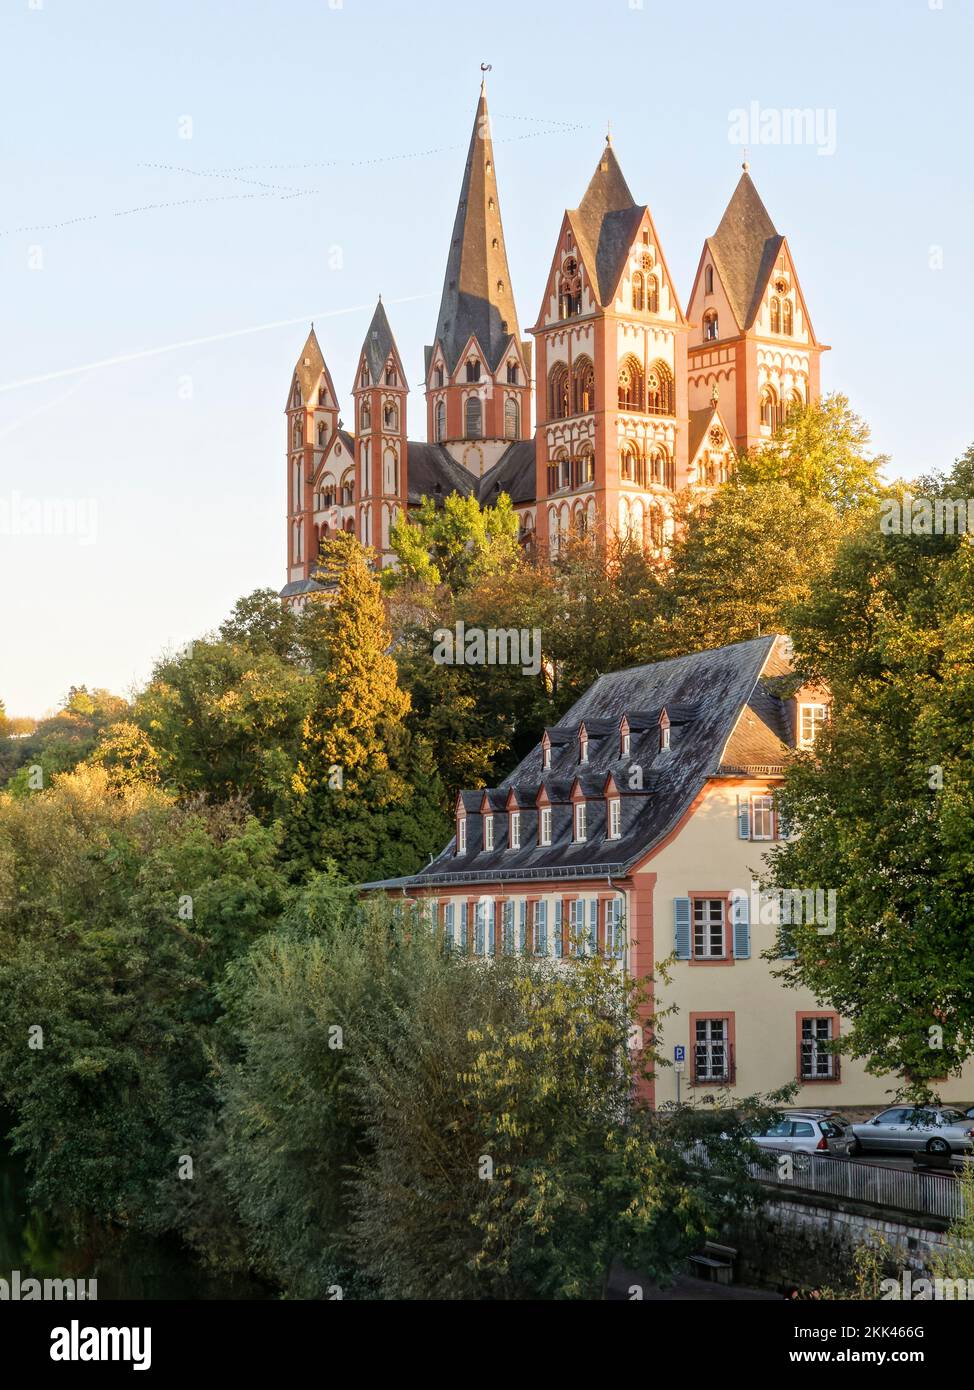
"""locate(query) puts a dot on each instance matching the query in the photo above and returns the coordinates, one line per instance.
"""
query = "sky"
(186, 184)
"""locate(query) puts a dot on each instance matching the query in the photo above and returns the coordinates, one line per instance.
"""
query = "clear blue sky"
(317, 125)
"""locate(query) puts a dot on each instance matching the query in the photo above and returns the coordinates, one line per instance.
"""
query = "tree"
(820, 451)
(364, 792)
(741, 563)
(885, 808)
(62, 741)
(454, 543)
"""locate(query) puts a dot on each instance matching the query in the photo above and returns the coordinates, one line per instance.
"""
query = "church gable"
(645, 284)
(782, 310)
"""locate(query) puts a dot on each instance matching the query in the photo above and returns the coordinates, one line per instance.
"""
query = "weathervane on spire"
(608, 132)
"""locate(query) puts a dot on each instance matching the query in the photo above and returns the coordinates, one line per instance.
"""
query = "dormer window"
(664, 731)
(461, 833)
(544, 826)
(811, 718)
(488, 832)
(514, 829)
(614, 817)
(580, 811)
(438, 377)
(582, 746)
(625, 740)
(546, 754)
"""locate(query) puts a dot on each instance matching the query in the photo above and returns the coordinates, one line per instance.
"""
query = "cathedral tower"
(611, 444)
(478, 372)
(380, 392)
(312, 430)
(751, 336)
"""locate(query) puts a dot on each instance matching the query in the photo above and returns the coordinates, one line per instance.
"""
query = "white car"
(807, 1131)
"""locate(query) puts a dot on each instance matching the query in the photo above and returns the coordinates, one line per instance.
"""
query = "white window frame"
(707, 928)
(762, 816)
(580, 822)
(488, 831)
(714, 1043)
(544, 825)
(818, 715)
(626, 748)
(583, 748)
(615, 818)
(514, 830)
(821, 1063)
(461, 834)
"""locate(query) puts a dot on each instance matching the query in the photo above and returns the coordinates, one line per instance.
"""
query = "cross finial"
(608, 132)
(745, 166)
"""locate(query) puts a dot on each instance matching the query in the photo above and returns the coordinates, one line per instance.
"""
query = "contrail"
(197, 342)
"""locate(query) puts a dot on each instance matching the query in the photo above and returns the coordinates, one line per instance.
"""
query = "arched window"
(627, 463)
(638, 291)
(652, 294)
(474, 417)
(584, 378)
(296, 490)
(391, 376)
(560, 399)
(512, 418)
(365, 417)
(708, 280)
(776, 315)
(296, 434)
(788, 319)
(322, 434)
(657, 466)
(473, 369)
(440, 421)
(298, 542)
(586, 464)
(364, 379)
(438, 377)
(390, 416)
(512, 374)
(769, 408)
(660, 389)
(631, 385)
(710, 329)
(570, 290)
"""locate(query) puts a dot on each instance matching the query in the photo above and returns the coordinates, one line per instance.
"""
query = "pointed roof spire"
(745, 247)
(309, 366)
(477, 296)
(378, 344)
(605, 222)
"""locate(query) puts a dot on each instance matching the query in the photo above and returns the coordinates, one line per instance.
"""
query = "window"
(449, 923)
(708, 928)
(438, 377)
(582, 746)
(391, 416)
(708, 280)
(660, 399)
(711, 1050)
(570, 290)
(512, 418)
(816, 1062)
(811, 720)
(710, 329)
(488, 832)
(473, 369)
(615, 937)
(322, 434)
(514, 830)
(507, 931)
(541, 929)
(440, 421)
(584, 379)
(627, 464)
(365, 416)
(776, 315)
(787, 318)
(652, 294)
(615, 817)
(546, 753)
(559, 395)
(631, 385)
(638, 291)
(762, 817)
(512, 374)
(544, 826)
(581, 819)
(769, 409)
(474, 417)
(461, 834)
(625, 743)
(480, 928)
(664, 733)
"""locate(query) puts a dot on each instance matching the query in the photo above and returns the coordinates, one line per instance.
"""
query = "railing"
(931, 1194)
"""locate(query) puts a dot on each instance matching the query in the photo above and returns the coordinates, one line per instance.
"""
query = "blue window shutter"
(559, 910)
(463, 926)
(523, 923)
(593, 926)
(681, 919)
(491, 928)
(743, 818)
(741, 919)
(448, 923)
(541, 928)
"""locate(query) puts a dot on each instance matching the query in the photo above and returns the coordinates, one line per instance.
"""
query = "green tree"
(885, 808)
(364, 792)
(454, 543)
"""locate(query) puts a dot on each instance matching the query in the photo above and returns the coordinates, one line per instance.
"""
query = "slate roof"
(378, 344)
(745, 247)
(309, 367)
(513, 473)
(477, 296)
(705, 696)
(605, 224)
(432, 471)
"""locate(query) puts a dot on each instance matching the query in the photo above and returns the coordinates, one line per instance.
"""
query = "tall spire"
(745, 247)
(477, 295)
(379, 342)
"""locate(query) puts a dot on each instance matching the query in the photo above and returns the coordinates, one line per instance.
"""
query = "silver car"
(806, 1131)
(905, 1128)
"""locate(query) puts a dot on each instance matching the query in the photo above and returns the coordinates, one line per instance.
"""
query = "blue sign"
(679, 1054)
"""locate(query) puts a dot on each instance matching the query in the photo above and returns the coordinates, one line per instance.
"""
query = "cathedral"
(634, 398)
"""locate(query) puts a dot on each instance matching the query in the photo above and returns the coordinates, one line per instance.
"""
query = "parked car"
(807, 1131)
(938, 1129)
